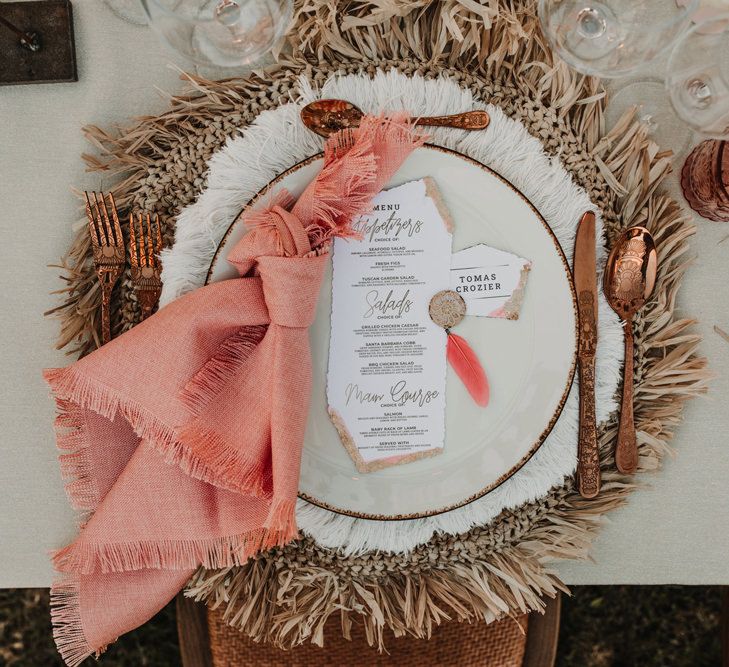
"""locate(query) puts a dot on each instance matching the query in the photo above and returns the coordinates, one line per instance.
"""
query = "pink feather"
(467, 366)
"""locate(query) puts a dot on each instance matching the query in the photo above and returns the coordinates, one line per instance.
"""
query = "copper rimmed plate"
(530, 362)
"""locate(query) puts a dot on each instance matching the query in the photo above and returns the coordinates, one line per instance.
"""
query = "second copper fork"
(107, 243)
(145, 244)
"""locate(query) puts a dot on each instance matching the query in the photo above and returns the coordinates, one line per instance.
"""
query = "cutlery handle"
(106, 288)
(588, 457)
(469, 120)
(148, 299)
(626, 452)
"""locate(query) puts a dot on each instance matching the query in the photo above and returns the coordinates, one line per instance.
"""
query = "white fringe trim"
(277, 140)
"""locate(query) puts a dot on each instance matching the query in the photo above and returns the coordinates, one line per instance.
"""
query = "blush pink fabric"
(182, 438)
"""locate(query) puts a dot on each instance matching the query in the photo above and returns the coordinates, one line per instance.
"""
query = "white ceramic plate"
(529, 362)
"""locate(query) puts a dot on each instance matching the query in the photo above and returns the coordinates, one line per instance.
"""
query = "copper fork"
(107, 243)
(145, 244)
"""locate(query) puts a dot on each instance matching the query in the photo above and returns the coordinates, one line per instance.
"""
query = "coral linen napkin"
(183, 436)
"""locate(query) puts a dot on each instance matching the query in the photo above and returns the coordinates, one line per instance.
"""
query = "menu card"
(387, 364)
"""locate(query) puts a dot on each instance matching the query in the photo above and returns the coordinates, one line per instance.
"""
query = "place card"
(387, 364)
(491, 281)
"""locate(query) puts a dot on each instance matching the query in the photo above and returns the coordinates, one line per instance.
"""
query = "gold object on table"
(107, 243)
(447, 309)
(585, 276)
(328, 116)
(629, 279)
(145, 244)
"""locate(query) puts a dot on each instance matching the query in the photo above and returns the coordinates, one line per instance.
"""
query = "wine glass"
(612, 38)
(130, 11)
(693, 98)
(220, 33)
(697, 77)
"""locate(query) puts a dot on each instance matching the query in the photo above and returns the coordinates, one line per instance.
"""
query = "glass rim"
(687, 9)
(723, 17)
(681, 16)
(163, 8)
(694, 29)
(194, 56)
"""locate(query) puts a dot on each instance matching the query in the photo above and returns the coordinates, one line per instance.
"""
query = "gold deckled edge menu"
(387, 364)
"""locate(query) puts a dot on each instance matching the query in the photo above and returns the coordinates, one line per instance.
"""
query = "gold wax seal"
(447, 308)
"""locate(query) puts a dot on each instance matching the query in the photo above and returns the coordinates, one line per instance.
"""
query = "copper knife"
(585, 276)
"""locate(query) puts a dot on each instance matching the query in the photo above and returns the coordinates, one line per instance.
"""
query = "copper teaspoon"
(328, 116)
(629, 279)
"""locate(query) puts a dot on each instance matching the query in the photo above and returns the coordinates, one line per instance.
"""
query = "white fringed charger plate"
(529, 362)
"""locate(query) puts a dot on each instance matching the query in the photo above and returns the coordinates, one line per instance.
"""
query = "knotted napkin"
(182, 438)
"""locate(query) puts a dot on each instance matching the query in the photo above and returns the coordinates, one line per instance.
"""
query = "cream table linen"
(676, 531)
(120, 67)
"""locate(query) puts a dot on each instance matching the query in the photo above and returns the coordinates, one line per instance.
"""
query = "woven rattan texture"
(476, 644)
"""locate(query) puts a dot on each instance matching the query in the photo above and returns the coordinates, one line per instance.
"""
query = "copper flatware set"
(107, 243)
(628, 282)
(629, 279)
(109, 253)
(585, 277)
(328, 116)
(145, 244)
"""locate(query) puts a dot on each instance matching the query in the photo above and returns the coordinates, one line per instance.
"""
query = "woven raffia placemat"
(498, 52)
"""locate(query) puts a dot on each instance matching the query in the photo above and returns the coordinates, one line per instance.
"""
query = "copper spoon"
(328, 116)
(629, 279)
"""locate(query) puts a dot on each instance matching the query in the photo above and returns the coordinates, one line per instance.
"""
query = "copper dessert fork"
(107, 243)
(145, 244)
